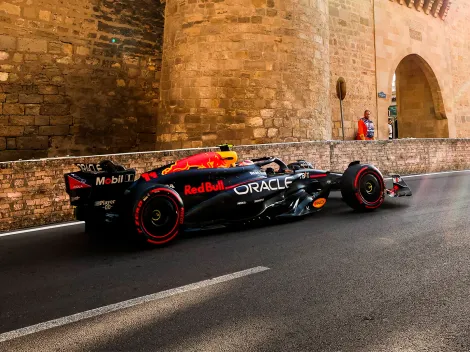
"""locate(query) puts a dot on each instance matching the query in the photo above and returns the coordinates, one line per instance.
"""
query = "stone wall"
(244, 71)
(32, 193)
(457, 32)
(401, 31)
(78, 77)
(352, 56)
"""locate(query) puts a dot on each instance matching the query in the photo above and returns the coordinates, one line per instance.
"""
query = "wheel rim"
(159, 216)
(370, 188)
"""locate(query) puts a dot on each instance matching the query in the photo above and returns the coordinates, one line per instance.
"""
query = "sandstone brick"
(55, 109)
(131, 60)
(7, 67)
(44, 15)
(3, 143)
(32, 109)
(13, 77)
(255, 121)
(67, 49)
(54, 99)
(83, 51)
(271, 12)
(31, 130)
(11, 98)
(17, 57)
(30, 12)
(31, 57)
(11, 143)
(57, 79)
(11, 131)
(30, 98)
(41, 120)
(60, 130)
(10, 8)
(67, 60)
(32, 45)
(259, 132)
(209, 136)
(4, 55)
(21, 120)
(36, 142)
(4, 76)
(13, 109)
(61, 120)
(133, 72)
(272, 132)
(48, 90)
(7, 42)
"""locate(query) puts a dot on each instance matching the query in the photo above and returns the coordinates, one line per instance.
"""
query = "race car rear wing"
(103, 181)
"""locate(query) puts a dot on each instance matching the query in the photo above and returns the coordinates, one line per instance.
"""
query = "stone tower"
(244, 71)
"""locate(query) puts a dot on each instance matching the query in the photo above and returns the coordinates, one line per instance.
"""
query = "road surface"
(397, 279)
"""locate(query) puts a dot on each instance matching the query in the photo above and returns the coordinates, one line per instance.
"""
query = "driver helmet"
(246, 163)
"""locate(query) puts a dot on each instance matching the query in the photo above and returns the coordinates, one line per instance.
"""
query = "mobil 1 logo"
(111, 180)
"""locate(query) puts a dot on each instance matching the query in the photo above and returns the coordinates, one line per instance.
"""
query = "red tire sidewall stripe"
(359, 197)
(169, 232)
(179, 220)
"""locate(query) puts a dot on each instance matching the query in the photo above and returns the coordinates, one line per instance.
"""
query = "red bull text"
(205, 187)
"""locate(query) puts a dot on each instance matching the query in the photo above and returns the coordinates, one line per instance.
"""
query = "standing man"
(390, 128)
(365, 128)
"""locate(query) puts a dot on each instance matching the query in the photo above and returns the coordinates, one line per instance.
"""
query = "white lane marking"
(126, 304)
(430, 174)
(81, 222)
(42, 228)
(436, 173)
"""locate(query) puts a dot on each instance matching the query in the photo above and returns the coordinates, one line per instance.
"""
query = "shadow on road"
(73, 243)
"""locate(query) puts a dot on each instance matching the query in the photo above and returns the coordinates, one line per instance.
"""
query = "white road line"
(430, 174)
(41, 228)
(437, 173)
(126, 304)
(81, 222)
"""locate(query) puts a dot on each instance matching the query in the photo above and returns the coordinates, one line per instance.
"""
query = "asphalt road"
(397, 279)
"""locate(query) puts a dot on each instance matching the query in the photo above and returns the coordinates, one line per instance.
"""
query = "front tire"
(363, 187)
(157, 215)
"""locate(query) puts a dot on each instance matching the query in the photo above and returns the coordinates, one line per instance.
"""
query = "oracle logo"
(274, 184)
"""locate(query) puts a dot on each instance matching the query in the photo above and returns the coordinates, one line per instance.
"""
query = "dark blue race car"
(214, 188)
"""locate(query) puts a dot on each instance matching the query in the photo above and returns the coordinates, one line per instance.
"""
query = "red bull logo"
(208, 160)
(205, 187)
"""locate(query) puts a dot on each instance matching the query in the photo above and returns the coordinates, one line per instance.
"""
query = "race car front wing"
(399, 189)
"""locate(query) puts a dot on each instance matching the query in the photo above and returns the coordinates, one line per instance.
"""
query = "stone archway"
(420, 106)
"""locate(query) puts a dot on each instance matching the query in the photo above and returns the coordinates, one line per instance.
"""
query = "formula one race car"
(213, 188)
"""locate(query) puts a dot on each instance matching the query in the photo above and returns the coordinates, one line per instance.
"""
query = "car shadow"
(67, 243)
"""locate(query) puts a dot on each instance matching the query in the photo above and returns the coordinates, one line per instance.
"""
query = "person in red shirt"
(365, 128)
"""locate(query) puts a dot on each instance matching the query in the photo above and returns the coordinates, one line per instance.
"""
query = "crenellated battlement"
(436, 8)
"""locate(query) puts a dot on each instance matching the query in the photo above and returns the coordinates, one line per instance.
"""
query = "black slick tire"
(157, 215)
(362, 187)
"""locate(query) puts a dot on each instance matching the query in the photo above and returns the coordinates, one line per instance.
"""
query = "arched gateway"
(420, 107)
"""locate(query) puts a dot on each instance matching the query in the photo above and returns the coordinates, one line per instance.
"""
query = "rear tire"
(362, 187)
(157, 215)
